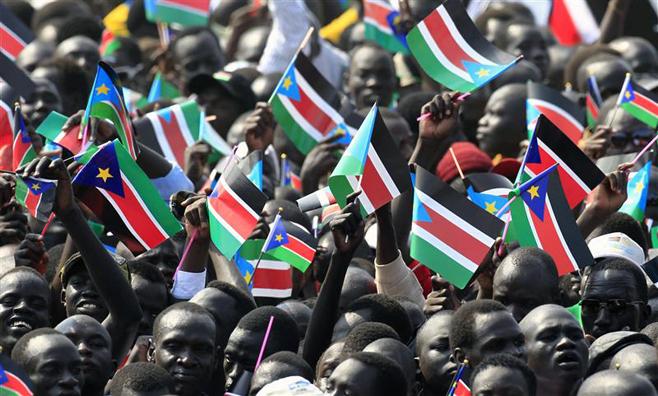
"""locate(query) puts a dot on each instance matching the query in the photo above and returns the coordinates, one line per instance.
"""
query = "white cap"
(290, 386)
(616, 244)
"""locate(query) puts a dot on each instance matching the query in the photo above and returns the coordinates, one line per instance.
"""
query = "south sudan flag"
(562, 112)
(639, 102)
(381, 22)
(22, 150)
(182, 12)
(37, 195)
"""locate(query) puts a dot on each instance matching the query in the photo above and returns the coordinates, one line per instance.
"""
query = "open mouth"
(568, 361)
(20, 325)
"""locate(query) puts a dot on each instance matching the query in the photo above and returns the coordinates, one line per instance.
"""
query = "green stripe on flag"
(21, 191)
(521, 224)
(225, 241)
(282, 253)
(439, 262)
(387, 41)
(52, 125)
(107, 111)
(183, 17)
(299, 137)
(640, 113)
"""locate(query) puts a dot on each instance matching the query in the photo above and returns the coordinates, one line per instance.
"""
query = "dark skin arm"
(607, 198)
(612, 25)
(387, 245)
(113, 287)
(320, 328)
(196, 222)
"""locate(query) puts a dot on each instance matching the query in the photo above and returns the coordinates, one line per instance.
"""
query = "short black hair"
(410, 105)
(538, 261)
(284, 335)
(620, 264)
(21, 8)
(58, 10)
(145, 270)
(389, 374)
(72, 82)
(626, 224)
(292, 359)
(181, 306)
(385, 310)
(463, 321)
(365, 333)
(80, 25)
(141, 377)
(244, 303)
(18, 353)
(193, 31)
(508, 361)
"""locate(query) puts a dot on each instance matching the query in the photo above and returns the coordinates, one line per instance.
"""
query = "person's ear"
(457, 356)
(150, 353)
(62, 297)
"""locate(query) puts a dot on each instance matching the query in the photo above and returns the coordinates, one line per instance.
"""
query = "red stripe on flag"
(591, 106)
(453, 236)
(233, 212)
(15, 384)
(313, 113)
(445, 41)
(376, 12)
(174, 136)
(299, 247)
(10, 42)
(71, 140)
(573, 192)
(266, 278)
(646, 103)
(373, 186)
(32, 202)
(547, 232)
(562, 24)
(19, 149)
(569, 128)
(462, 389)
(200, 5)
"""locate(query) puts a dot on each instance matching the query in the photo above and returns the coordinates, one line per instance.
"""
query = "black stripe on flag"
(568, 152)
(299, 232)
(245, 189)
(146, 134)
(457, 203)
(8, 95)
(15, 77)
(389, 154)
(651, 269)
(15, 25)
(472, 35)
(573, 238)
(248, 163)
(547, 94)
(487, 181)
(317, 81)
(637, 88)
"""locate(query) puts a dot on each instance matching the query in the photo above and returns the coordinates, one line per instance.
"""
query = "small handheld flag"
(381, 22)
(22, 150)
(593, 102)
(15, 77)
(37, 195)
(277, 236)
(560, 110)
(451, 49)
(638, 189)
(252, 167)
(316, 200)
(13, 379)
(274, 277)
(52, 128)
(182, 12)
(461, 384)
(488, 190)
(639, 102)
(14, 35)
(162, 89)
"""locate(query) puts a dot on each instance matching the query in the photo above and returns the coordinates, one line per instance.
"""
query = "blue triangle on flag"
(288, 85)
(532, 154)
(420, 213)
(102, 171)
(344, 130)
(165, 114)
(629, 93)
(534, 195)
(38, 186)
(481, 73)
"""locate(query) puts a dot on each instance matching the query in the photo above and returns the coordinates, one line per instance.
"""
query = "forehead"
(499, 324)
(23, 282)
(523, 33)
(610, 284)
(368, 57)
(436, 327)
(182, 324)
(500, 379)
(549, 319)
(52, 346)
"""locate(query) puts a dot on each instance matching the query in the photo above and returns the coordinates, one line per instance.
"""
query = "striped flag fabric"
(106, 102)
(650, 268)
(109, 43)
(316, 200)
(564, 113)
(171, 130)
(488, 190)
(593, 102)
(36, 195)
(120, 182)
(51, 128)
(13, 75)
(572, 22)
(381, 22)
(22, 150)
(638, 189)
(542, 218)
(373, 164)
(288, 177)
(549, 146)
(162, 89)
(273, 278)
(449, 234)
(639, 102)
(7, 99)
(291, 243)
(461, 384)
(451, 50)
(181, 12)
(14, 35)
(252, 167)
(13, 379)
(234, 209)
(306, 105)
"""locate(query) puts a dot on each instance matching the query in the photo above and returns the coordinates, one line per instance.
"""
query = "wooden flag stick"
(264, 344)
(454, 158)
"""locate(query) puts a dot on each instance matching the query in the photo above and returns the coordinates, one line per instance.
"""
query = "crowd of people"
(82, 314)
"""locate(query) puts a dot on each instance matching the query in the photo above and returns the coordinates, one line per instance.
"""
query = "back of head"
(397, 352)
(291, 359)
(243, 302)
(389, 373)
(510, 362)
(141, 377)
(284, 335)
(613, 382)
(80, 25)
(145, 270)
(290, 212)
(365, 333)
(532, 262)
(626, 224)
(463, 321)
(385, 309)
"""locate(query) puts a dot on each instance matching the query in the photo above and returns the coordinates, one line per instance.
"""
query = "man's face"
(94, 346)
(371, 78)
(557, 350)
(499, 381)
(496, 332)
(526, 40)
(196, 54)
(152, 298)
(629, 135)
(23, 307)
(43, 100)
(622, 308)
(223, 309)
(353, 378)
(327, 364)
(33, 54)
(515, 289)
(185, 347)
(240, 354)
(83, 50)
(81, 297)
(54, 366)
(434, 354)
(501, 128)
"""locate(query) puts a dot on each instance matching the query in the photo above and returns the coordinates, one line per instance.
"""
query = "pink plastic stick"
(45, 226)
(644, 150)
(186, 251)
(459, 98)
(264, 344)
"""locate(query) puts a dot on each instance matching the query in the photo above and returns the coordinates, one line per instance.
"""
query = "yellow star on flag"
(104, 173)
(534, 192)
(36, 186)
(278, 237)
(490, 207)
(247, 277)
(287, 82)
(627, 95)
(102, 90)
(482, 73)
(639, 187)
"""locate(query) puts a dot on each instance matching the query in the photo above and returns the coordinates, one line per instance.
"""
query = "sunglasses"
(639, 137)
(612, 306)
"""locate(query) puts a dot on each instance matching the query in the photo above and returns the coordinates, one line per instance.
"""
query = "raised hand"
(32, 253)
(611, 194)
(49, 169)
(347, 227)
(196, 216)
(321, 160)
(595, 145)
(441, 298)
(259, 127)
(443, 120)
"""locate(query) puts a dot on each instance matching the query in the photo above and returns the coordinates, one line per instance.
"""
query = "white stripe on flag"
(273, 293)
(299, 119)
(558, 231)
(559, 110)
(182, 123)
(383, 172)
(528, 215)
(237, 198)
(564, 166)
(144, 206)
(226, 226)
(161, 137)
(440, 245)
(499, 192)
(583, 20)
(454, 218)
(317, 99)
(363, 198)
(376, 25)
(454, 31)
(441, 58)
(181, 7)
(110, 199)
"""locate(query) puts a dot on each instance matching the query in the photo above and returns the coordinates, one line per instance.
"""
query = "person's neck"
(427, 391)
(93, 390)
(554, 387)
